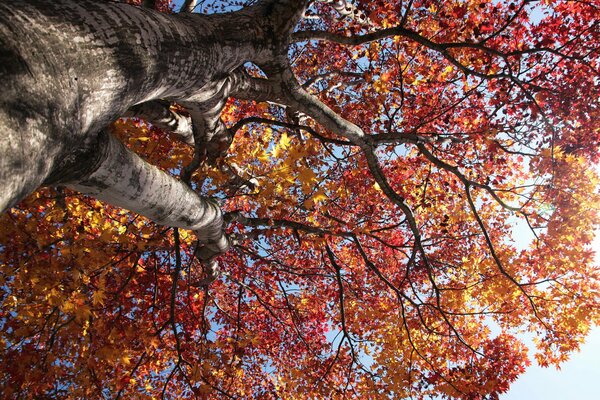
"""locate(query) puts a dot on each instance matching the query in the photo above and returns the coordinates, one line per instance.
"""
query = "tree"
(353, 173)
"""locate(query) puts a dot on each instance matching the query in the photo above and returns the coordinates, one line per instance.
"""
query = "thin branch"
(497, 260)
(455, 171)
(253, 120)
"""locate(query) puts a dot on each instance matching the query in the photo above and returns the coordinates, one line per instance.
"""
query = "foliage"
(330, 291)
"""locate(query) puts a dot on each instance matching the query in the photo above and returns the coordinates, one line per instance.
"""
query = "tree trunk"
(70, 68)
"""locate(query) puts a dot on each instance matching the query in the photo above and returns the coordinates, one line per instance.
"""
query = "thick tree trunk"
(68, 68)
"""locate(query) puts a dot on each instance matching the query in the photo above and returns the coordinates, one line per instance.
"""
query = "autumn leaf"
(401, 195)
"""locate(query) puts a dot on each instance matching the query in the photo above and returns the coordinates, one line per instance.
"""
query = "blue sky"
(577, 379)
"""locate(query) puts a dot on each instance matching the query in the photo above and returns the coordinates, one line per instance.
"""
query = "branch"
(312, 80)
(455, 171)
(497, 260)
(284, 223)
(346, 9)
(342, 307)
(160, 114)
(237, 181)
(310, 105)
(400, 137)
(313, 107)
(188, 6)
(441, 48)
(151, 4)
(247, 87)
(260, 120)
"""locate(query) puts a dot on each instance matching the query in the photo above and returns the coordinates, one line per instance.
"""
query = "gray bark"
(70, 68)
(159, 114)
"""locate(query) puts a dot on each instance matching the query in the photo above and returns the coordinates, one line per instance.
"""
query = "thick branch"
(123, 179)
(160, 114)
(310, 105)
(149, 4)
(188, 6)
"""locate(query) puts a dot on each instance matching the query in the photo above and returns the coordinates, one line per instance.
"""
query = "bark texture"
(70, 68)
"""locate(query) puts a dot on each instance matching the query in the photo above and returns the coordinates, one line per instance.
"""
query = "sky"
(578, 378)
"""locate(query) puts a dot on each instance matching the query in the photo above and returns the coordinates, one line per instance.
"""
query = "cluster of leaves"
(330, 294)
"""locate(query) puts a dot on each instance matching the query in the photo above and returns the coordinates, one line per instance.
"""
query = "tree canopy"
(409, 190)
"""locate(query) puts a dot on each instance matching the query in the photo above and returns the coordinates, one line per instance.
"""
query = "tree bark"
(70, 68)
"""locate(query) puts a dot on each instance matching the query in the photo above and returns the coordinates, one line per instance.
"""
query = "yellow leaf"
(446, 71)
(307, 178)
(283, 144)
(380, 86)
(285, 140)
(264, 157)
(98, 297)
(82, 312)
(319, 197)
(146, 232)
